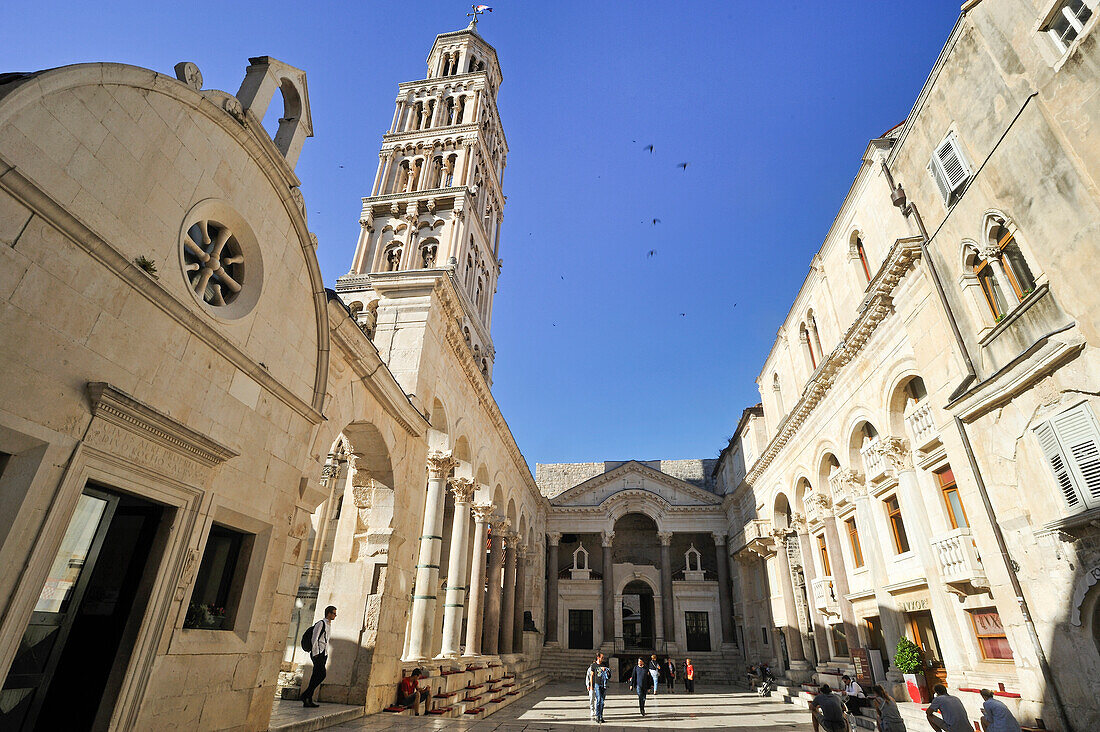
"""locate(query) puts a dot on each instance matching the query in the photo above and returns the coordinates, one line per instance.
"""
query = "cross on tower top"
(479, 10)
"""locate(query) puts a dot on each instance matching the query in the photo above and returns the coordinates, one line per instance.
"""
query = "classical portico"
(637, 562)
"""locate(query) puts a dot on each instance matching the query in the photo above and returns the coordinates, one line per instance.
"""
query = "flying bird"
(651, 253)
(650, 148)
(682, 166)
(682, 314)
(656, 221)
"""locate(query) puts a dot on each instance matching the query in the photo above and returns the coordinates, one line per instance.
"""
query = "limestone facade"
(923, 460)
(193, 429)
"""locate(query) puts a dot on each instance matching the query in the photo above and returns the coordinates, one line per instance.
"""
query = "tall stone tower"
(435, 210)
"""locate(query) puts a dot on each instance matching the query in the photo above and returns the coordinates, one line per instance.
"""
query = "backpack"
(307, 638)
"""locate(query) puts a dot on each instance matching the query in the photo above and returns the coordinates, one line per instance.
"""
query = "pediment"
(634, 478)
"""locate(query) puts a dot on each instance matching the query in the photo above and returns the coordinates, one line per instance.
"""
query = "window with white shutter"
(948, 167)
(1067, 22)
(1071, 444)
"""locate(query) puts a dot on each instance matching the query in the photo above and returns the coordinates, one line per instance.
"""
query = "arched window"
(778, 393)
(393, 257)
(804, 338)
(693, 560)
(485, 368)
(469, 269)
(814, 335)
(427, 254)
(1002, 240)
(477, 293)
(862, 254)
(991, 288)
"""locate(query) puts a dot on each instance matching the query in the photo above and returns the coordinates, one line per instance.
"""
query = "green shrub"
(908, 657)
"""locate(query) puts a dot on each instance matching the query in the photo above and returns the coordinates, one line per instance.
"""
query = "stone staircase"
(476, 690)
(716, 667)
(801, 696)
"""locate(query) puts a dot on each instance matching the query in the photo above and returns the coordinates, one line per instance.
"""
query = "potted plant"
(907, 659)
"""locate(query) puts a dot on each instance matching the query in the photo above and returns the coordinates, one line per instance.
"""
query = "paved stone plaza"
(562, 706)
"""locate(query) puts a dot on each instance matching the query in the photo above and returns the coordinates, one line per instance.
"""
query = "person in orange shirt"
(689, 676)
(409, 693)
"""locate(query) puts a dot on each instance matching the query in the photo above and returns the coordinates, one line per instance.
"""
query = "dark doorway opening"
(638, 628)
(580, 628)
(697, 625)
(75, 650)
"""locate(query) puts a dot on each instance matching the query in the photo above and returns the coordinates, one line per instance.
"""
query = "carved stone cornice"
(895, 450)
(439, 464)
(875, 308)
(462, 489)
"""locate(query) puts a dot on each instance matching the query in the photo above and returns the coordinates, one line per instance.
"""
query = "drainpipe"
(909, 210)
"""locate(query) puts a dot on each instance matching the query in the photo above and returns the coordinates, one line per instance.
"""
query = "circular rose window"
(220, 259)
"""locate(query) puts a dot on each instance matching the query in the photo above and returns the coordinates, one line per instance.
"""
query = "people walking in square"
(639, 683)
(655, 672)
(595, 680)
(951, 709)
(670, 675)
(889, 716)
(318, 653)
(689, 676)
(996, 715)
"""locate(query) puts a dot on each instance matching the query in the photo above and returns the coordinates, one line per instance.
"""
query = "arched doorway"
(638, 625)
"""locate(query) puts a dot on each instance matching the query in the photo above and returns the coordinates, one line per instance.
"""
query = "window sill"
(903, 556)
(1074, 521)
(1074, 47)
(1013, 315)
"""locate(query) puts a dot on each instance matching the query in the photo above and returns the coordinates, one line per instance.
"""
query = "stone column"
(790, 605)
(608, 589)
(521, 598)
(554, 538)
(490, 635)
(840, 573)
(399, 107)
(668, 616)
(378, 175)
(476, 592)
(463, 490)
(427, 565)
(821, 643)
(508, 609)
(723, 586)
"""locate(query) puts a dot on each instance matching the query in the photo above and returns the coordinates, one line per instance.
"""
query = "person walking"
(639, 683)
(951, 709)
(655, 672)
(827, 712)
(596, 680)
(689, 676)
(996, 715)
(670, 675)
(318, 653)
(889, 717)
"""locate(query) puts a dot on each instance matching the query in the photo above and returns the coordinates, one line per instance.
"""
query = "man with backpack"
(596, 680)
(315, 643)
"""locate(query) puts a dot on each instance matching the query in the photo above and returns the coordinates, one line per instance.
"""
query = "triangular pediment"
(635, 476)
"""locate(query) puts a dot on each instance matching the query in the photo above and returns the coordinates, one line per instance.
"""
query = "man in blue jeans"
(596, 682)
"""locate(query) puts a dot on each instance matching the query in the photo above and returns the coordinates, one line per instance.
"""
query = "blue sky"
(603, 353)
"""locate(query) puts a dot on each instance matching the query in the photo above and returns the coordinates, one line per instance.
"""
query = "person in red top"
(689, 676)
(409, 693)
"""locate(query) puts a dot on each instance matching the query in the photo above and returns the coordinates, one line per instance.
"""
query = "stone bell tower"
(436, 205)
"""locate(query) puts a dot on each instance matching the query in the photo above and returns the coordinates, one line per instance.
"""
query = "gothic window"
(804, 338)
(991, 287)
(393, 257)
(1066, 23)
(814, 335)
(485, 368)
(427, 254)
(402, 177)
(469, 269)
(466, 334)
(450, 172)
(477, 294)
(1003, 241)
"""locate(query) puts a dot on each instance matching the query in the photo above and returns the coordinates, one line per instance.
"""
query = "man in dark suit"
(640, 682)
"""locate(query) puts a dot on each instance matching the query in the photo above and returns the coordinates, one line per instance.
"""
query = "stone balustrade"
(874, 463)
(825, 598)
(921, 426)
(958, 560)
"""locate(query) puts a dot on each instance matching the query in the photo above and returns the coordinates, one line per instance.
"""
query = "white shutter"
(1079, 437)
(937, 175)
(1049, 443)
(955, 169)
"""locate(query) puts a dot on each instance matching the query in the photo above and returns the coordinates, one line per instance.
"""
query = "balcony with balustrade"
(825, 597)
(875, 465)
(922, 427)
(758, 538)
(960, 566)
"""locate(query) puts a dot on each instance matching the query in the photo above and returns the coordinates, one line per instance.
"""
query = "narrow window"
(897, 526)
(823, 551)
(222, 568)
(955, 511)
(994, 298)
(840, 640)
(1019, 274)
(853, 538)
(991, 636)
(863, 259)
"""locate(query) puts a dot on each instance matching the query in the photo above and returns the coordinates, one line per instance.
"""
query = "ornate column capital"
(462, 489)
(607, 537)
(798, 522)
(500, 525)
(895, 450)
(719, 538)
(665, 537)
(482, 512)
(991, 252)
(554, 537)
(361, 494)
(440, 463)
(780, 536)
(818, 503)
(851, 481)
